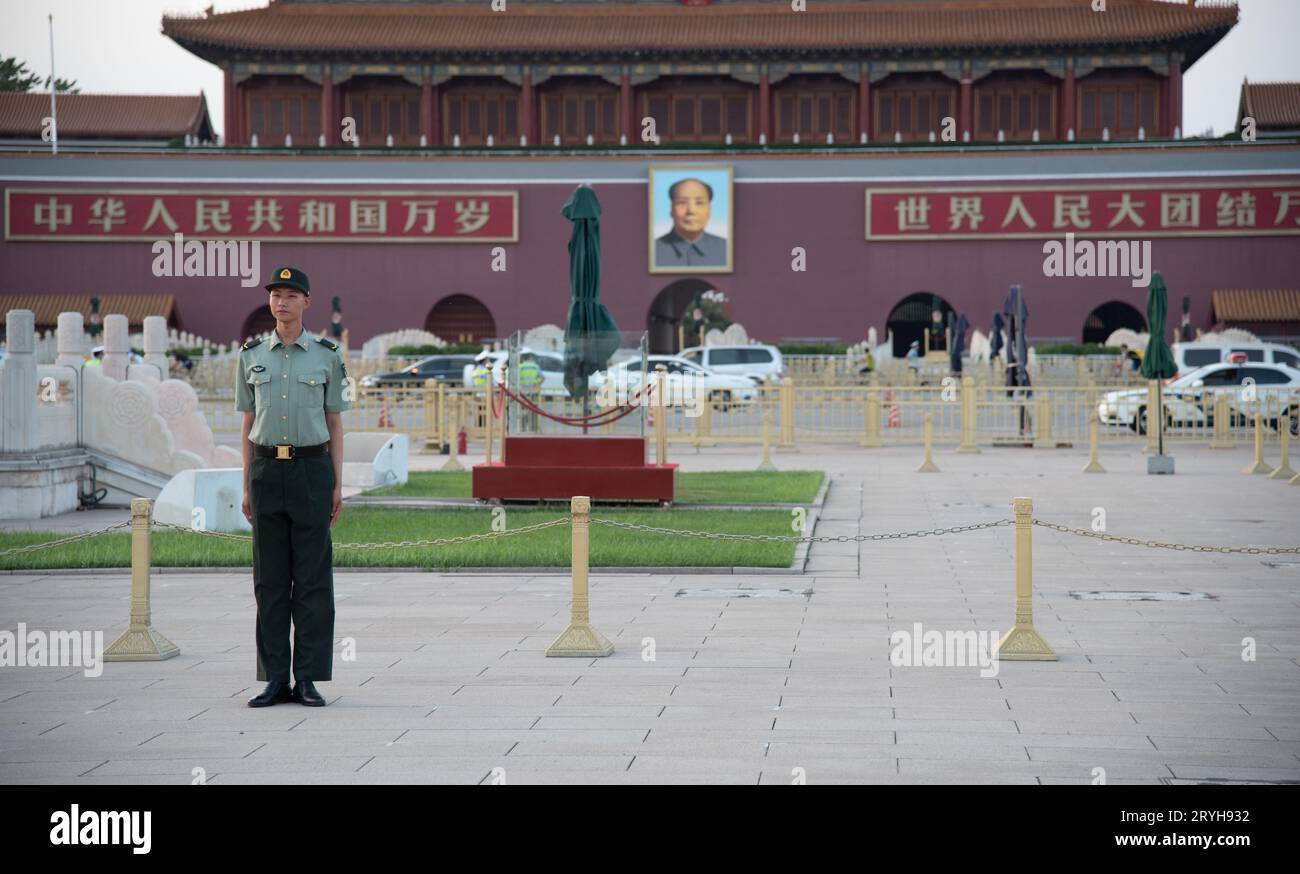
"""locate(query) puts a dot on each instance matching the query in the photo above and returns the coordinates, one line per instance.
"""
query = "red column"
(864, 105)
(1066, 104)
(528, 108)
(426, 110)
(628, 110)
(764, 106)
(436, 115)
(967, 111)
(329, 126)
(241, 121)
(1166, 117)
(229, 127)
(1175, 95)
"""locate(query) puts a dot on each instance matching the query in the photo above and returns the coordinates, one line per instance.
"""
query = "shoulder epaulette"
(250, 344)
(328, 344)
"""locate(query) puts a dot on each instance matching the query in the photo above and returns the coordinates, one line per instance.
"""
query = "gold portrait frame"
(686, 170)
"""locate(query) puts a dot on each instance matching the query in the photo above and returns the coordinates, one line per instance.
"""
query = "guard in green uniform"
(290, 388)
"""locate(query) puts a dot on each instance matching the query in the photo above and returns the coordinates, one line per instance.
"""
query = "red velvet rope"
(497, 408)
(605, 417)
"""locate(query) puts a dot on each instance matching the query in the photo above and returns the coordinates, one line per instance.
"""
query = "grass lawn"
(713, 487)
(610, 547)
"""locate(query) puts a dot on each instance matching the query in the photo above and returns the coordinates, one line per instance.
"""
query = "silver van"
(757, 361)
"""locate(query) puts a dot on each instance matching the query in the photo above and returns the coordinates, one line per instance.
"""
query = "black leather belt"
(287, 452)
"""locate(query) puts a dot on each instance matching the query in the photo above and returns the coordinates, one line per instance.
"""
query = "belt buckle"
(283, 451)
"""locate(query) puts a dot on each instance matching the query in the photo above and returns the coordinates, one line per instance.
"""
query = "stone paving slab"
(450, 681)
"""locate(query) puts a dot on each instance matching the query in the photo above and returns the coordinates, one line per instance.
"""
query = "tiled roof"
(48, 306)
(1256, 305)
(105, 116)
(1271, 104)
(648, 28)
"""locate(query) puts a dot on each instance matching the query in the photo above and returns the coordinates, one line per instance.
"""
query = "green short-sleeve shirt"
(290, 388)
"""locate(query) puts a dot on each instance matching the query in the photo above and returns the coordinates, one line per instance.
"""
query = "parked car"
(443, 368)
(551, 365)
(757, 362)
(1189, 399)
(1191, 355)
(723, 389)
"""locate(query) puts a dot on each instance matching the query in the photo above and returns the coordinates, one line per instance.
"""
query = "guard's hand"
(248, 512)
(336, 504)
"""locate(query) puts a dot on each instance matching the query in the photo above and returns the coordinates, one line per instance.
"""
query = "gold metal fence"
(963, 413)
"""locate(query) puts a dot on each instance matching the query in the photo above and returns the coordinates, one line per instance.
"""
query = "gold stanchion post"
(1043, 424)
(580, 640)
(1023, 642)
(1258, 466)
(1093, 465)
(1222, 423)
(786, 395)
(967, 446)
(487, 414)
(871, 421)
(661, 416)
(453, 459)
(1284, 470)
(766, 463)
(141, 642)
(928, 466)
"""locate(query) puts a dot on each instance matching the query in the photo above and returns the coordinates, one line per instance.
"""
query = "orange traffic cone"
(895, 418)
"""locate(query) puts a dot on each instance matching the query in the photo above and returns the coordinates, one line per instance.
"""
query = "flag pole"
(54, 104)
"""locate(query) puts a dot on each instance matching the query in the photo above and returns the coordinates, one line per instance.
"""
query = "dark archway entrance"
(460, 318)
(1110, 317)
(666, 313)
(260, 321)
(909, 319)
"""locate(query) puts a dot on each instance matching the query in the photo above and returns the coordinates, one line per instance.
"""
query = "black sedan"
(444, 368)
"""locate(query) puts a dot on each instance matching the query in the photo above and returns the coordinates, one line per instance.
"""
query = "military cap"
(289, 277)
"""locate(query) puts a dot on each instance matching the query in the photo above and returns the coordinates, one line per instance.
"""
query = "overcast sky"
(117, 46)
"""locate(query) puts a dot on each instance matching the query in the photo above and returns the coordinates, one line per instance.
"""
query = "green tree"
(14, 76)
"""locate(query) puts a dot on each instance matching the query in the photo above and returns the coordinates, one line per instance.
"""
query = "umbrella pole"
(586, 410)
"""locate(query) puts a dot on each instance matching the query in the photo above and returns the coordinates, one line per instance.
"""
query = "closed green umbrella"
(1158, 363)
(590, 335)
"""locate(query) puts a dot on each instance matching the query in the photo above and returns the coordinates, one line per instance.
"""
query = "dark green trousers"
(293, 566)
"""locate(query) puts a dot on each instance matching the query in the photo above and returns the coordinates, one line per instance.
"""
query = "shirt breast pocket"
(311, 390)
(261, 385)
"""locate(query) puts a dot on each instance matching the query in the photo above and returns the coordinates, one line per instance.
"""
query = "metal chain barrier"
(50, 544)
(400, 544)
(778, 538)
(1178, 547)
(702, 535)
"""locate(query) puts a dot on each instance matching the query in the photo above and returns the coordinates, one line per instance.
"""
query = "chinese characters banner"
(1144, 210)
(297, 216)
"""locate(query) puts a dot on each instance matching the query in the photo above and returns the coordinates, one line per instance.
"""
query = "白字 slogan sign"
(288, 216)
(1131, 211)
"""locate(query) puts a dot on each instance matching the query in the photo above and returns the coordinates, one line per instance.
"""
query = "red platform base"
(557, 468)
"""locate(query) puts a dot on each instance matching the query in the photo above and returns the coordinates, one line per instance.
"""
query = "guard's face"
(690, 209)
(287, 304)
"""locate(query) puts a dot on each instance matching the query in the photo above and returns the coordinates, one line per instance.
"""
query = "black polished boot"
(276, 692)
(305, 693)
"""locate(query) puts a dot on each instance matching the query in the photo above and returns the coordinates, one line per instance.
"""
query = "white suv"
(1189, 399)
(757, 362)
(1191, 355)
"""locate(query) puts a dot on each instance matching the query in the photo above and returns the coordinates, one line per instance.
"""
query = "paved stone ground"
(449, 681)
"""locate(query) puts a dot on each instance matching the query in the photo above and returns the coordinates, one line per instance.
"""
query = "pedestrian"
(290, 389)
(914, 355)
